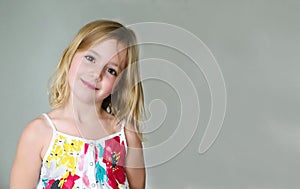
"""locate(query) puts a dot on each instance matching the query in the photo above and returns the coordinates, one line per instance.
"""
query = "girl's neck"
(83, 113)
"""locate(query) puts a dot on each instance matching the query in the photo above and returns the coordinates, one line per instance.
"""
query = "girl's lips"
(89, 85)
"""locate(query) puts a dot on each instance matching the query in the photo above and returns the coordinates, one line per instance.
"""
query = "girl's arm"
(135, 167)
(26, 168)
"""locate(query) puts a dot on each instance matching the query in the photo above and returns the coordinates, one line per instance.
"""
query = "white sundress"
(76, 163)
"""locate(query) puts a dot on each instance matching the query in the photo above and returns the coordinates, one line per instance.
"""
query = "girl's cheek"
(75, 65)
(110, 84)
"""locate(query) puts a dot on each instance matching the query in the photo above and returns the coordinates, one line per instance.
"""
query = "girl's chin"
(84, 99)
(88, 99)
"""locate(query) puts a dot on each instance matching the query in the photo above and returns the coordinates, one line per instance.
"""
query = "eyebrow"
(95, 52)
(112, 63)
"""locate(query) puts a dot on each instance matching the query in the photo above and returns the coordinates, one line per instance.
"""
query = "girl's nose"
(100, 74)
(98, 79)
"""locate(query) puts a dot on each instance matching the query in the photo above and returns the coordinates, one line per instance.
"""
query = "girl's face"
(93, 72)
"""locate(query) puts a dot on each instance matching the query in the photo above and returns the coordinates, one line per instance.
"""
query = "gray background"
(256, 44)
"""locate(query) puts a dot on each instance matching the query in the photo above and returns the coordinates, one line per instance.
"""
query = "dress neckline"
(82, 138)
(90, 140)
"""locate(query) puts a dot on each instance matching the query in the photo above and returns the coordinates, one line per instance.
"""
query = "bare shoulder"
(26, 167)
(135, 166)
(36, 134)
(132, 136)
(37, 128)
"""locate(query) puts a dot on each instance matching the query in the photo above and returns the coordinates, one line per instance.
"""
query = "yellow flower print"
(73, 146)
(60, 139)
(63, 179)
(69, 161)
(55, 154)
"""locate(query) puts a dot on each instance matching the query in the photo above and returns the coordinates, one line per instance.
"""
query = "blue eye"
(90, 58)
(112, 71)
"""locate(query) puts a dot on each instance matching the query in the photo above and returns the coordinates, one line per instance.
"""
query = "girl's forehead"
(110, 44)
(110, 49)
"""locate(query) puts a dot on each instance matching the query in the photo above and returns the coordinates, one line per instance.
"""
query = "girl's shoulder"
(37, 126)
(36, 134)
(133, 137)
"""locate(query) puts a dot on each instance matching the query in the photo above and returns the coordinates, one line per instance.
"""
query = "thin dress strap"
(50, 121)
(123, 124)
(123, 133)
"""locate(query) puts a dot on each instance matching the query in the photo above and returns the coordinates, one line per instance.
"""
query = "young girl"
(91, 138)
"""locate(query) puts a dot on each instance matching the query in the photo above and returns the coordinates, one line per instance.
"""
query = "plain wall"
(256, 45)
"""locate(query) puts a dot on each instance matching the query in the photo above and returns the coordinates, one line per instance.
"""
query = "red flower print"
(114, 157)
(52, 184)
(69, 181)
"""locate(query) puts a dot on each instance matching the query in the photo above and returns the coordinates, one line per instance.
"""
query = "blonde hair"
(127, 100)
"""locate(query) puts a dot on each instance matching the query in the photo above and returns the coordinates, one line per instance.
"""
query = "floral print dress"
(76, 163)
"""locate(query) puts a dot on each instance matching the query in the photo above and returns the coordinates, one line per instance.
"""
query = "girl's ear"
(106, 104)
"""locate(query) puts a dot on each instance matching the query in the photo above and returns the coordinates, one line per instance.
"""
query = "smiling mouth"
(89, 85)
